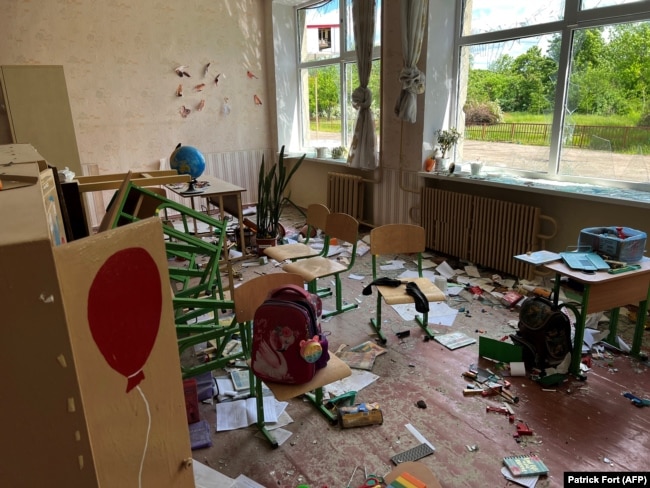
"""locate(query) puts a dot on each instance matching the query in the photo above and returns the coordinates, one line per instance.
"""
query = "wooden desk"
(224, 195)
(604, 291)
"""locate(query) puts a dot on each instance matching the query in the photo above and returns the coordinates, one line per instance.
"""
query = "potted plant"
(271, 186)
(447, 139)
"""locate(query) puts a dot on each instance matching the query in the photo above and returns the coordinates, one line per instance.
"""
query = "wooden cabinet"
(91, 382)
(35, 109)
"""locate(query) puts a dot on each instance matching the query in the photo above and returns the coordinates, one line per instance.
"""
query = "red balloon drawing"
(124, 309)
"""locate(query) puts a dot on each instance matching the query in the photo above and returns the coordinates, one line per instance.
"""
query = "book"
(454, 340)
(539, 257)
(200, 435)
(525, 465)
(242, 413)
(367, 347)
(240, 379)
(528, 481)
(358, 360)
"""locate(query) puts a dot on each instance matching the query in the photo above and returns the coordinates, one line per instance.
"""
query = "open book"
(242, 413)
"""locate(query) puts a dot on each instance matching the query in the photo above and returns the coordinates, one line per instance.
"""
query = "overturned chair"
(390, 240)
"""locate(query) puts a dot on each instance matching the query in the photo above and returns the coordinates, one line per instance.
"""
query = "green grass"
(577, 119)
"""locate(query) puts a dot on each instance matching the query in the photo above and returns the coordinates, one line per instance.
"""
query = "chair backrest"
(342, 226)
(317, 216)
(397, 238)
(249, 295)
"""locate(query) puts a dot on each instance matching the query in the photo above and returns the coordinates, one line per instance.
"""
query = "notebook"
(525, 465)
(586, 261)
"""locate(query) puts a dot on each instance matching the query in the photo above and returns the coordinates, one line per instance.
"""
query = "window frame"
(574, 19)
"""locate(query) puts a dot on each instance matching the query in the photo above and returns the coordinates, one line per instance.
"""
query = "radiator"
(484, 231)
(345, 194)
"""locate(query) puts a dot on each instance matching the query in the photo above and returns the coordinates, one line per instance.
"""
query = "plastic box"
(606, 240)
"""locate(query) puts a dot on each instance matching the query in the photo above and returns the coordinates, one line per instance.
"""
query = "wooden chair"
(392, 239)
(248, 297)
(316, 220)
(341, 227)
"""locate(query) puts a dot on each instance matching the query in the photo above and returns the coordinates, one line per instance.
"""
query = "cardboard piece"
(498, 350)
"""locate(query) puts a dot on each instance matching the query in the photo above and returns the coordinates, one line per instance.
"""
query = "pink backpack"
(288, 346)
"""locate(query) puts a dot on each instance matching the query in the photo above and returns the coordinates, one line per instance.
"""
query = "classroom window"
(328, 73)
(568, 99)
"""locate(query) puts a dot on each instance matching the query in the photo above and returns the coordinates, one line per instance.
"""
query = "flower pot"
(264, 242)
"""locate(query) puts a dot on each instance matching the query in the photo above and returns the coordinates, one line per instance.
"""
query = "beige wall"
(119, 60)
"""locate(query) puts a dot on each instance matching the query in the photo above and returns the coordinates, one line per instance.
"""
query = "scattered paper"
(245, 482)
(357, 277)
(392, 265)
(472, 271)
(419, 436)
(445, 270)
(281, 435)
(528, 481)
(355, 382)
(517, 369)
(439, 313)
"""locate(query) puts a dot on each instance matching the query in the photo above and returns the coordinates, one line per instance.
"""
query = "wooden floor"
(577, 425)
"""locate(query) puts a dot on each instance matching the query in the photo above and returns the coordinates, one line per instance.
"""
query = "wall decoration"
(200, 106)
(199, 87)
(250, 74)
(179, 90)
(257, 100)
(225, 107)
(181, 71)
(184, 111)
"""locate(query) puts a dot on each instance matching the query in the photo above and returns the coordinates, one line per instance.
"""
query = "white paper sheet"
(439, 313)
(355, 382)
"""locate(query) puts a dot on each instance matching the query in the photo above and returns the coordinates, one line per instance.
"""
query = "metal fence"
(598, 137)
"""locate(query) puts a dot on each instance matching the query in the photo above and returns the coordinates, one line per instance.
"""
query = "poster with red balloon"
(117, 298)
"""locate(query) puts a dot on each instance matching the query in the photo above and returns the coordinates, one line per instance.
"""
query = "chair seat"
(316, 267)
(290, 251)
(397, 295)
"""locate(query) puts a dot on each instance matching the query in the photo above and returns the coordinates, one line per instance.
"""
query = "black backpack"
(544, 333)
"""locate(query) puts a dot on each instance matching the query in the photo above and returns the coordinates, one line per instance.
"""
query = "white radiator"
(345, 194)
(484, 231)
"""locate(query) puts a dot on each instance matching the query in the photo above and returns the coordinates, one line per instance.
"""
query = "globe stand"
(191, 189)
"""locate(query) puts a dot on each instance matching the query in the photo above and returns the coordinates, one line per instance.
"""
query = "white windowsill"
(582, 191)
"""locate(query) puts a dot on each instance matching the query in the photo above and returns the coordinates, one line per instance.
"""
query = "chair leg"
(339, 301)
(316, 399)
(423, 322)
(259, 400)
(376, 322)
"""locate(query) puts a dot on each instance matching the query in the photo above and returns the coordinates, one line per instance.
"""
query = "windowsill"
(583, 191)
(312, 158)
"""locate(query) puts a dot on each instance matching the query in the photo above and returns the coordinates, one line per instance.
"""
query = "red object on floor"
(191, 400)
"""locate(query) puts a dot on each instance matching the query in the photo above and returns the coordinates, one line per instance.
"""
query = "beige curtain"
(413, 22)
(362, 149)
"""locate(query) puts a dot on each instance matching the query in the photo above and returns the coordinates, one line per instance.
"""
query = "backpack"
(544, 333)
(288, 345)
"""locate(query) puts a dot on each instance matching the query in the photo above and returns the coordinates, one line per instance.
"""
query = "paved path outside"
(578, 162)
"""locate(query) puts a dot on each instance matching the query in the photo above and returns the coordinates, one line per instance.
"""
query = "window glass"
(320, 32)
(323, 86)
(589, 4)
(495, 15)
(509, 105)
(607, 115)
(329, 75)
(560, 99)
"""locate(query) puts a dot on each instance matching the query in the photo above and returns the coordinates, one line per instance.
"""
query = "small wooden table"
(224, 195)
(605, 291)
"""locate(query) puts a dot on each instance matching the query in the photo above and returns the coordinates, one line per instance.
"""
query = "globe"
(188, 160)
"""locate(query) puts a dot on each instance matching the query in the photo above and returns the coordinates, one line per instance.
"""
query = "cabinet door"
(38, 112)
